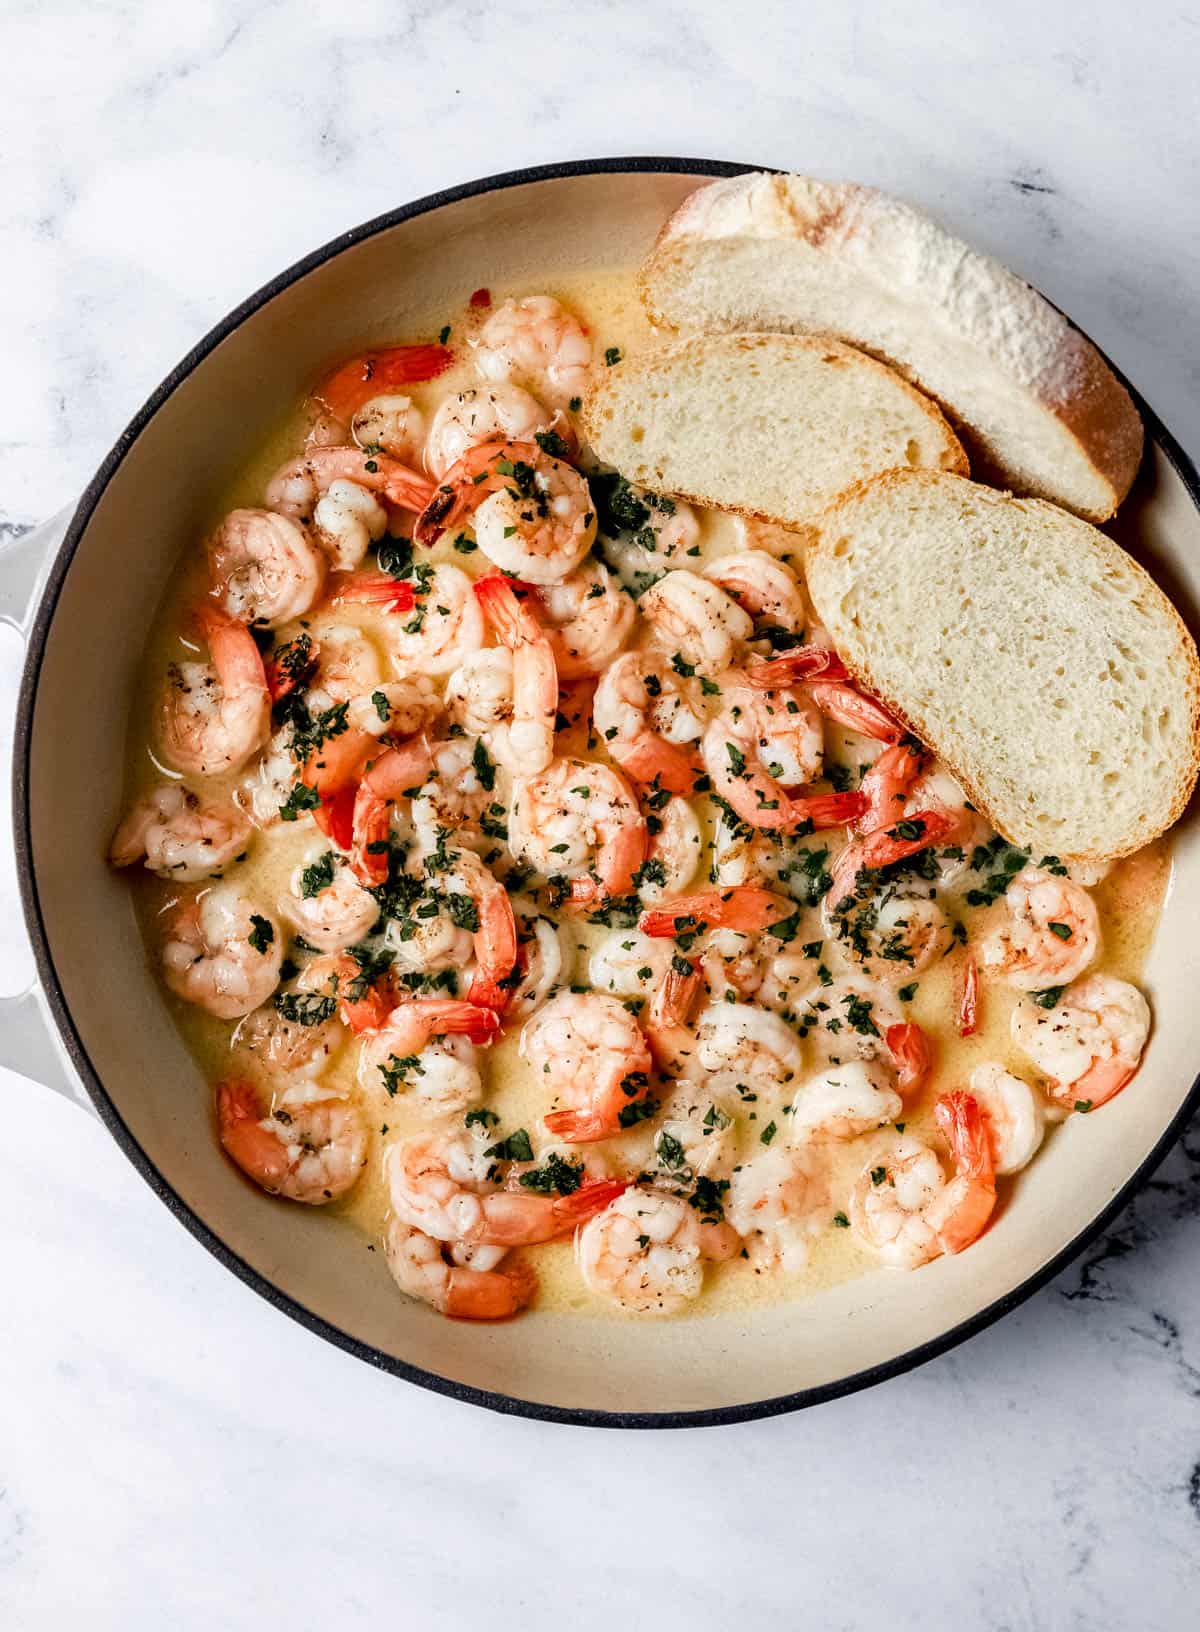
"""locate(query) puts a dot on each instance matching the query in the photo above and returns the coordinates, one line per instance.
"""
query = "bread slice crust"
(1036, 405)
(1070, 714)
(732, 422)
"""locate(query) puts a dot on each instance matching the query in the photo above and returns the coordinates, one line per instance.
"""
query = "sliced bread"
(1035, 657)
(1036, 405)
(770, 425)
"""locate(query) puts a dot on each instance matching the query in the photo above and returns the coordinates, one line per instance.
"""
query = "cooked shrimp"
(479, 696)
(441, 1184)
(459, 797)
(179, 835)
(1014, 1117)
(883, 847)
(676, 993)
(294, 488)
(538, 343)
(579, 821)
(845, 1018)
(348, 389)
(656, 532)
(750, 1042)
(221, 952)
(843, 1101)
(628, 963)
(761, 742)
(348, 519)
(269, 781)
(338, 981)
(390, 423)
(831, 689)
(326, 904)
(311, 1145)
(264, 568)
(647, 1252)
(695, 1134)
(532, 514)
(529, 739)
(1088, 1044)
(396, 708)
(213, 716)
(426, 1049)
(765, 588)
(270, 1045)
(347, 665)
(494, 935)
(445, 628)
(743, 907)
(673, 852)
(398, 773)
(895, 936)
(772, 1203)
(588, 617)
(485, 413)
(694, 619)
(589, 1052)
(911, 1054)
(420, 1267)
(903, 1206)
(648, 717)
(542, 962)
(1049, 935)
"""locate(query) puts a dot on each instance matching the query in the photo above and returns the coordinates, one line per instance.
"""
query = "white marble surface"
(172, 1451)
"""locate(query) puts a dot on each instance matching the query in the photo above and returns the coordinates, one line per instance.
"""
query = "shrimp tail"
(827, 809)
(335, 817)
(591, 1198)
(245, 1141)
(909, 1047)
(743, 907)
(887, 783)
(377, 589)
(852, 708)
(579, 1127)
(481, 470)
(370, 825)
(654, 762)
(343, 392)
(494, 1294)
(805, 663)
(962, 1212)
(968, 1007)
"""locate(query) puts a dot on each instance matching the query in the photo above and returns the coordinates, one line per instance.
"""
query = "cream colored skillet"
(146, 504)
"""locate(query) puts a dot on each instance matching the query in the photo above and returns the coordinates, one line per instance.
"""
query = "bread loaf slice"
(1036, 406)
(1036, 658)
(770, 425)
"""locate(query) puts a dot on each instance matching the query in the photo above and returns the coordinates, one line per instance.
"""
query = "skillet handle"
(28, 1039)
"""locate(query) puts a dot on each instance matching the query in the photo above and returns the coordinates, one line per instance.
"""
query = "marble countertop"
(172, 1450)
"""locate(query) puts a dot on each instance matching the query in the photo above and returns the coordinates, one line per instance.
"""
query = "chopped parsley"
(263, 933)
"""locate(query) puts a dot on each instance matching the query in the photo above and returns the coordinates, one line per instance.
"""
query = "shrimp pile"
(515, 837)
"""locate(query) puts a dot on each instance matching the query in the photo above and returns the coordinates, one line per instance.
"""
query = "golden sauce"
(1129, 901)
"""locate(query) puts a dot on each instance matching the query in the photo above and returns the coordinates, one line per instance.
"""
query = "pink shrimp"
(310, 1146)
(828, 682)
(640, 698)
(534, 675)
(590, 1051)
(672, 1003)
(904, 1208)
(886, 845)
(484, 469)
(423, 1268)
(887, 783)
(343, 392)
(909, 1047)
(375, 589)
(579, 820)
(212, 717)
(314, 470)
(396, 774)
(742, 907)
(439, 1184)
